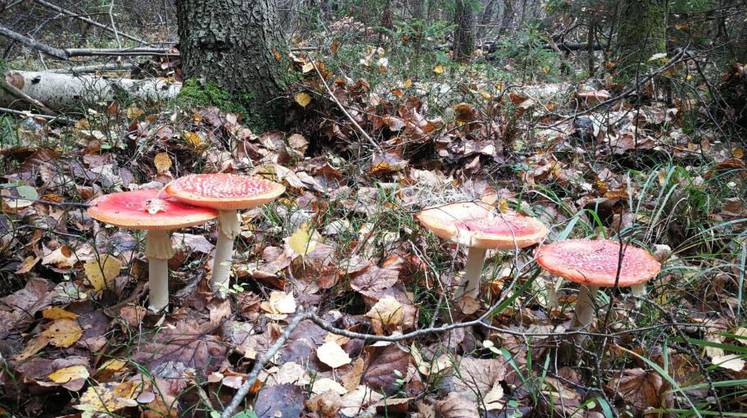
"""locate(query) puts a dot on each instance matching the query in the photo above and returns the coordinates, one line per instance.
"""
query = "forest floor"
(380, 332)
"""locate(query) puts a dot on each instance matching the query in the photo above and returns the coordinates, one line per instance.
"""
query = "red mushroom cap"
(479, 225)
(224, 191)
(131, 210)
(595, 262)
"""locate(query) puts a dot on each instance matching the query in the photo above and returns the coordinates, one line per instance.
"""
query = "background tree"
(642, 33)
(464, 35)
(235, 46)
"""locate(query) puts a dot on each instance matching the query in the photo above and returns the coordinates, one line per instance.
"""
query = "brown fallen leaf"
(387, 367)
(455, 406)
(641, 389)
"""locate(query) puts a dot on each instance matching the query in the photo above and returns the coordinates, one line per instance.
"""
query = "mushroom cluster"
(188, 201)
(198, 198)
(590, 263)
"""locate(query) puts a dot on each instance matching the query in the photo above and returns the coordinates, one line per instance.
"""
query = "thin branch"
(114, 27)
(94, 68)
(334, 98)
(260, 364)
(35, 115)
(31, 43)
(88, 20)
(90, 52)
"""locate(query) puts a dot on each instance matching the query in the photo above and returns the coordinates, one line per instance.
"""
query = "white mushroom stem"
(638, 291)
(158, 250)
(229, 228)
(585, 310)
(551, 294)
(473, 271)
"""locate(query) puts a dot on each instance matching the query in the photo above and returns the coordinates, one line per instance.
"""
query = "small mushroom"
(594, 264)
(228, 193)
(481, 227)
(144, 210)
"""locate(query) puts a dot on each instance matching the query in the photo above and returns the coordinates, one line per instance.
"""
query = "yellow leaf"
(192, 138)
(162, 162)
(134, 112)
(114, 364)
(407, 84)
(55, 312)
(34, 345)
(307, 67)
(303, 99)
(485, 95)
(63, 333)
(108, 398)
(438, 69)
(301, 241)
(101, 272)
(67, 374)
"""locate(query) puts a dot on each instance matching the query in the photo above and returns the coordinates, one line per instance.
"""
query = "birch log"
(66, 92)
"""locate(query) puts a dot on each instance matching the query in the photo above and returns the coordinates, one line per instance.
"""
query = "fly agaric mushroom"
(480, 227)
(228, 193)
(594, 264)
(144, 210)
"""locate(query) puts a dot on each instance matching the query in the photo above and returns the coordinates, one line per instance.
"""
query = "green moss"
(195, 93)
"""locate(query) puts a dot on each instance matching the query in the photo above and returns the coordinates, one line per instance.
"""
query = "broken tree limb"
(31, 43)
(66, 92)
(67, 53)
(88, 20)
(82, 69)
(120, 52)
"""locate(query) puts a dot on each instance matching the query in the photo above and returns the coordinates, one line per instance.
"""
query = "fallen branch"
(25, 40)
(88, 20)
(262, 361)
(120, 52)
(67, 53)
(82, 69)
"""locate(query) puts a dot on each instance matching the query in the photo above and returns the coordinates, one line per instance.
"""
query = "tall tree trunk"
(487, 17)
(418, 9)
(642, 33)
(508, 16)
(464, 35)
(236, 45)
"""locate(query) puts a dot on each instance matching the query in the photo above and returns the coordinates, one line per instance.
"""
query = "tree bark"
(236, 45)
(508, 16)
(464, 35)
(642, 33)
